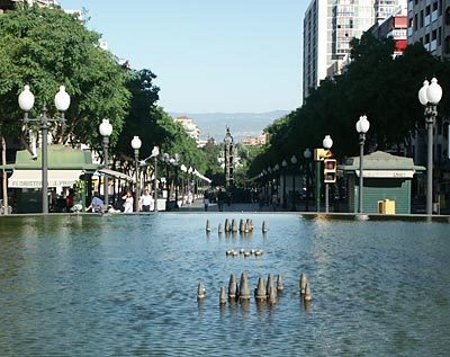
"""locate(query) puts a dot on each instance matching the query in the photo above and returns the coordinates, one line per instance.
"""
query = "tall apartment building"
(429, 24)
(9, 4)
(328, 28)
(191, 128)
(394, 27)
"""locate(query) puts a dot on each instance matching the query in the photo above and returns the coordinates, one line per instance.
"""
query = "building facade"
(9, 4)
(429, 24)
(191, 128)
(395, 27)
(328, 28)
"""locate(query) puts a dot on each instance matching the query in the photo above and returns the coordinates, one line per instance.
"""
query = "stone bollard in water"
(244, 290)
(265, 228)
(307, 297)
(234, 226)
(303, 282)
(272, 295)
(208, 226)
(241, 226)
(280, 283)
(227, 226)
(220, 229)
(232, 288)
(260, 291)
(271, 285)
(223, 296)
(201, 292)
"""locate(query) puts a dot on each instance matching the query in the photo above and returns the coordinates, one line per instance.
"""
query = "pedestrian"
(129, 201)
(220, 199)
(96, 204)
(206, 202)
(146, 201)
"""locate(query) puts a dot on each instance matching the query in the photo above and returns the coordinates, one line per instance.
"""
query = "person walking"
(206, 202)
(220, 199)
(129, 201)
(146, 201)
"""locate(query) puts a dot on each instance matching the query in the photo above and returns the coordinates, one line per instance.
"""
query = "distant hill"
(241, 124)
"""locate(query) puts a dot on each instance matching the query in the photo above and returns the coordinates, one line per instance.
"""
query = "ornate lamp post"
(307, 156)
(155, 154)
(229, 159)
(136, 144)
(105, 129)
(176, 163)
(276, 170)
(284, 166)
(362, 127)
(62, 103)
(327, 144)
(429, 96)
(294, 163)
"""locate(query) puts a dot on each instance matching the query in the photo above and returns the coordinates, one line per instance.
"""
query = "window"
(447, 16)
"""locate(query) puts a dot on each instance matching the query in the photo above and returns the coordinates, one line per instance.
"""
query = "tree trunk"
(4, 177)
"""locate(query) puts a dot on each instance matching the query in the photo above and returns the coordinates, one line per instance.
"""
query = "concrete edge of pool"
(306, 215)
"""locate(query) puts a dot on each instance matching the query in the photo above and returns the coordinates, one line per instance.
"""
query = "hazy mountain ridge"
(241, 124)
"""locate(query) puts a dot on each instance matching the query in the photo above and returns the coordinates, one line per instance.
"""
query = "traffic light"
(329, 170)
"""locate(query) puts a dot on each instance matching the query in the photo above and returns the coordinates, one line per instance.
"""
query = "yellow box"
(386, 206)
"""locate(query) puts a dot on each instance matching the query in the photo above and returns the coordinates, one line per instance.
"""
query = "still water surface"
(126, 286)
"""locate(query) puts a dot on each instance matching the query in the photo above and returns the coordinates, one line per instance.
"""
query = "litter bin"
(386, 206)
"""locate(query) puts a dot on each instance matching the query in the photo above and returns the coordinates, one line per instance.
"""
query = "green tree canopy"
(375, 83)
(46, 48)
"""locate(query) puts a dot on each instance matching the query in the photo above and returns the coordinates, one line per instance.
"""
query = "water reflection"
(131, 281)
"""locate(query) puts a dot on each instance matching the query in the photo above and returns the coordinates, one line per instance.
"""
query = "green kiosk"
(387, 183)
(66, 167)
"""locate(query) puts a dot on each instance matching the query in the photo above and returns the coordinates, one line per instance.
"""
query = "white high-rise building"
(328, 28)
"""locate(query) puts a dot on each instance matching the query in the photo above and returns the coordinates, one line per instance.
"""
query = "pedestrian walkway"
(197, 206)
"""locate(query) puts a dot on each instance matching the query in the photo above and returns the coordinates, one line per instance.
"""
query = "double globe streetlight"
(362, 127)
(62, 103)
(136, 144)
(284, 165)
(327, 144)
(307, 156)
(105, 129)
(429, 96)
(294, 163)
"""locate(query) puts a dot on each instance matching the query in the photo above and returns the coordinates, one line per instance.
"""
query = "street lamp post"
(362, 127)
(430, 95)
(307, 156)
(294, 163)
(62, 103)
(327, 144)
(105, 129)
(176, 163)
(284, 166)
(276, 169)
(136, 144)
(155, 154)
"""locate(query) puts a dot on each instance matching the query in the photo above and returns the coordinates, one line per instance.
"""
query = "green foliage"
(376, 84)
(46, 48)
(154, 126)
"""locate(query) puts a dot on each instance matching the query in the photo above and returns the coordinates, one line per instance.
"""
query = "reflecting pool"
(126, 285)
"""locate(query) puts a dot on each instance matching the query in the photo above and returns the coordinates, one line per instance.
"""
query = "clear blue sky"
(209, 55)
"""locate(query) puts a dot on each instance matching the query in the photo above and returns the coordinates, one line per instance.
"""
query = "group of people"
(146, 203)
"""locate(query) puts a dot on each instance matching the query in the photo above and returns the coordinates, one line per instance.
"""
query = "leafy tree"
(46, 48)
(376, 84)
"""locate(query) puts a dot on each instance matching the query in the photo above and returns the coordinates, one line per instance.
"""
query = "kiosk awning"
(33, 178)
(116, 174)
